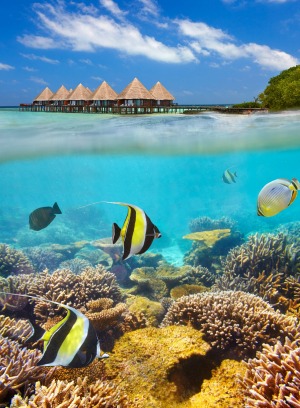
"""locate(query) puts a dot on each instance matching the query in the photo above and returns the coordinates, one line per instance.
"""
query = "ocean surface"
(169, 165)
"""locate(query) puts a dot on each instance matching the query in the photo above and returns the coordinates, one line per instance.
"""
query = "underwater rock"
(209, 238)
(153, 311)
(273, 378)
(13, 262)
(234, 322)
(162, 368)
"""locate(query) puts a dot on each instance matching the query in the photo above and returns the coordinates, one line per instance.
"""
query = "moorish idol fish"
(276, 196)
(229, 177)
(137, 232)
(72, 342)
(43, 216)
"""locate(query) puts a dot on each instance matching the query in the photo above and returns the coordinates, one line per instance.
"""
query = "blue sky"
(212, 51)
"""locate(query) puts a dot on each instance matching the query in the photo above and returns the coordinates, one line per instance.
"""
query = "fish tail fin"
(56, 209)
(116, 232)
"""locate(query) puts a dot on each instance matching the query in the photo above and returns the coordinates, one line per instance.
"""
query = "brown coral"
(63, 394)
(273, 379)
(231, 321)
(13, 261)
(18, 370)
(262, 266)
(18, 330)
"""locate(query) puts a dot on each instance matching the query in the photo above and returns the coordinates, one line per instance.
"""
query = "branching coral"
(273, 379)
(65, 394)
(43, 258)
(261, 266)
(18, 370)
(235, 321)
(18, 330)
(13, 262)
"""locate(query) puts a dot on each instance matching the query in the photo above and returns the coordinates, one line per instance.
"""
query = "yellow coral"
(209, 238)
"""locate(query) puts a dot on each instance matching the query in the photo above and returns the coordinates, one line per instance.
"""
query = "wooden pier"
(135, 110)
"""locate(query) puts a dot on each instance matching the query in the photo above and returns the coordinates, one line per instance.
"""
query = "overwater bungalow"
(80, 96)
(43, 97)
(59, 98)
(135, 94)
(162, 96)
(104, 95)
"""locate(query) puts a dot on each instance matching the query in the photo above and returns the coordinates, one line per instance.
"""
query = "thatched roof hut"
(44, 96)
(60, 95)
(80, 95)
(135, 93)
(161, 94)
(104, 95)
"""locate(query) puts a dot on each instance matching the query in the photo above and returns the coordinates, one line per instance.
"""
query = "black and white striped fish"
(137, 233)
(72, 342)
(229, 177)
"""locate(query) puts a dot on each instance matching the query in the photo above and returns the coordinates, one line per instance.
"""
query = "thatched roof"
(104, 92)
(160, 93)
(61, 94)
(45, 95)
(80, 93)
(135, 90)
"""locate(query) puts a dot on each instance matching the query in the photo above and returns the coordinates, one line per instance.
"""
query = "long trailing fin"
(89, 205)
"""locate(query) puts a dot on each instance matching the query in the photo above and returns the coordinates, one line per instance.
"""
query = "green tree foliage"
(283, 91)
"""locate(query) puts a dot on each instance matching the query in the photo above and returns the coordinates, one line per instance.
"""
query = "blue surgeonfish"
(229, 177)
(43, 216)
(276, 196)
(72, 342)
(137, 232)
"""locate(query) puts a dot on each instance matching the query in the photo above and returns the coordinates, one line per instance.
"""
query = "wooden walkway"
(135, 110)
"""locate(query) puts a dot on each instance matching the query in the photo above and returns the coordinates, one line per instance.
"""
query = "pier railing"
(129, 110)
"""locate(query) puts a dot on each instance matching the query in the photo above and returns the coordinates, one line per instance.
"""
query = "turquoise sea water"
(169, 165)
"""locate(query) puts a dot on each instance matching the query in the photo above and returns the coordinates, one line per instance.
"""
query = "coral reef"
(273, 378)
(152, 311)
(185, 290)
(160, 367)
(13, 262)
(233, 322)
(63, 394)
(18, 370)
(207, 223)
(75, 265)
(208, 238)
(262, 266)
(43, 258)
(18, 330)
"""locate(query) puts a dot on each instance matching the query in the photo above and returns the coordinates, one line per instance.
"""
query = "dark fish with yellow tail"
(72, 342)
(43, 216)
(229, 177)
(137, 233)
(276, 196)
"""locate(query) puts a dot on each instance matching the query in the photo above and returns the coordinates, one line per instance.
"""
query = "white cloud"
(113, 8)
(84, 32)
(149, 7)
(5, 67)
(37, 41)
(216, 41)
(97, 78)
(37, 80)
(86, 61)
(36, 57)
(29, 69)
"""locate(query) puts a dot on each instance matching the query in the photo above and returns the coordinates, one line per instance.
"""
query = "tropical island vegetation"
(282, 92)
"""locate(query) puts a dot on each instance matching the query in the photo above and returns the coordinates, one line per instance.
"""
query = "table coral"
(208, 238)
(13, 262)
(231, 321)
(273, 378)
